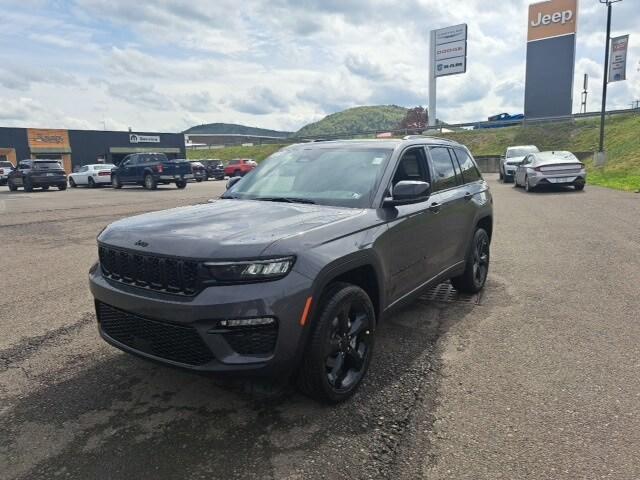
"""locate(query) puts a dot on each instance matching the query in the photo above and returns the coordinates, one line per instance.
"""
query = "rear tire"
(476, 269)
(150, 182)
(91, 183)
(579, 187)
(501, 176)
(182, 184)
(62, 186)
(72, 183)
(527, 186)
(45, 187)
(340, 346)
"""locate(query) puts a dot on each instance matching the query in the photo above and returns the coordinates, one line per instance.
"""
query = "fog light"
(247, 322)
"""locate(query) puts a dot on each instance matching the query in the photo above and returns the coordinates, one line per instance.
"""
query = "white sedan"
(92, 175)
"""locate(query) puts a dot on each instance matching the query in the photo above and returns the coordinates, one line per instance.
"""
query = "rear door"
(447, 203)
(470, 192)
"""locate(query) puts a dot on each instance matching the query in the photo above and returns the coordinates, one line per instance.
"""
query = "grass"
(257, 152)
(622, 142)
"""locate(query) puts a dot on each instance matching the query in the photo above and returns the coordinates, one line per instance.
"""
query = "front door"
(410, 237)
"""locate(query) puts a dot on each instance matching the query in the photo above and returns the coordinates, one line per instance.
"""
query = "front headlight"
(250, 270)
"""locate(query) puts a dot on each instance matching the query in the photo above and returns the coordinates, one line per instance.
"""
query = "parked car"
(512, 158)
(199, 171)
(290, 272)
(502, 120)
(551, 168)
(92, 175)
(149, 170)
(239, 167)
(30, 174)
(215, 168)
(5, 169)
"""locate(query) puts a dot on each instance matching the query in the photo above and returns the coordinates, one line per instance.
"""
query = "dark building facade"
(81, 147)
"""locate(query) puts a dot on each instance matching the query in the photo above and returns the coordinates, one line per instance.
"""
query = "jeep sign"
(137, 138)
(552, 18)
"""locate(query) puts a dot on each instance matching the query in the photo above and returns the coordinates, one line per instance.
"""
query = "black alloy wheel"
(72, 183)
(115, 182)
(476, 269)
(341, 345)
(92, 183)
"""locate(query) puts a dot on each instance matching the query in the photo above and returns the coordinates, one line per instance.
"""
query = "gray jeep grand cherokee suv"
(292, 269)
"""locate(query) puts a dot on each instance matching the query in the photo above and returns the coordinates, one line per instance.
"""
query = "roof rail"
(416, 137)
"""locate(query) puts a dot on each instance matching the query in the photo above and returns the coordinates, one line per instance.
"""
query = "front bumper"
(191, 324)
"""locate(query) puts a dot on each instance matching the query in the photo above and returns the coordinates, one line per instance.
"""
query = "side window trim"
(475, 166)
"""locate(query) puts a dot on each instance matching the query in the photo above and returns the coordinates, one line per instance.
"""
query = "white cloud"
(277, 64)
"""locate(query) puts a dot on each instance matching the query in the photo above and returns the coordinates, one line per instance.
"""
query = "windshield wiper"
(286, 200)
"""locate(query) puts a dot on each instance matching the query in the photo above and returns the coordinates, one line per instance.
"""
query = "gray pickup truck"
(149, 170)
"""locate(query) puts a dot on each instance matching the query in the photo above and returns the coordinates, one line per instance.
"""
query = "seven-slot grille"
(178, 343)
(163, 274)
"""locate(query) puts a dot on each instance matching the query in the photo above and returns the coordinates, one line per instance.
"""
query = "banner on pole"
(618, 58)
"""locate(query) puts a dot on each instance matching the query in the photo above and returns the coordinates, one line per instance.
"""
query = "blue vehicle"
(504, 119)
(151, 169)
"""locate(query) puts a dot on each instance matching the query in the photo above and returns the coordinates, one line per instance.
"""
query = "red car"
(239, 167)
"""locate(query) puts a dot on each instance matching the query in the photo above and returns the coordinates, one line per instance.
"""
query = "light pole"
(605, 75)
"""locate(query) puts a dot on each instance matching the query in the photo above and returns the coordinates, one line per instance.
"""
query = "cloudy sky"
(170, 64)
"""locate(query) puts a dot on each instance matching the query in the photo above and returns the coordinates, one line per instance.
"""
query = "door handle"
(434, 207)
(468, 196)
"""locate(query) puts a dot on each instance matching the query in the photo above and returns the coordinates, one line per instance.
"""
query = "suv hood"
(227, 229)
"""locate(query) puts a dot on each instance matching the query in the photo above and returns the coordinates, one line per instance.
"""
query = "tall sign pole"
(432, 80)
(447, 56)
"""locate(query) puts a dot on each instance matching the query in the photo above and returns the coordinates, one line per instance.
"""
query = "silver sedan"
(551, 168)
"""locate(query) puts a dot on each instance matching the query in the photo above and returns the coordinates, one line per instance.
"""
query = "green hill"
(234, 129)
(354, 120)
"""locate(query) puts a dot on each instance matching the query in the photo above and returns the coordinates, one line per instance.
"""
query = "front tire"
(28, 186)
(91, 183)
(182, 184)
(579, 186)
(339, 351)
(72, 183)
(12, 186)
(476, 269)
(62, 186)
(115, 182)
(45, 188)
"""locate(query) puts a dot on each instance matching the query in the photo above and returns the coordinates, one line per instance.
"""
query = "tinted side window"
(470, 172)
(445, 173)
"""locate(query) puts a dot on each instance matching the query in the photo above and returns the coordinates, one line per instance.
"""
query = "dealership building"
(74, 148)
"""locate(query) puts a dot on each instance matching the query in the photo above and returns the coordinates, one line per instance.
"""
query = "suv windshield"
(331, 176)
(520, 152)
(46, 165)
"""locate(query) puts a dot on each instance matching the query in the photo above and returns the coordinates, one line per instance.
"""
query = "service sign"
(618, 56)
(136, 138)
(450, 66)
(552, 18)
(454, 33)
(451, 50)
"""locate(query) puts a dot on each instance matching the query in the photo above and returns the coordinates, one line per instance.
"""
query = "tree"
(415, 121)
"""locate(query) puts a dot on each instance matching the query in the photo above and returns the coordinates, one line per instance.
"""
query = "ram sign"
(551, 47)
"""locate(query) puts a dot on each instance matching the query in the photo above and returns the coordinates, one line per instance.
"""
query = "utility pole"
(585, 94)
(605, 75)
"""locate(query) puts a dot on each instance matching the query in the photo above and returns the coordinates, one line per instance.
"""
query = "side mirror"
(232, 181)
(408, 191)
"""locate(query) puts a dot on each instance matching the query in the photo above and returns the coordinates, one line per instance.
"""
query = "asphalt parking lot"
(541, 379)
